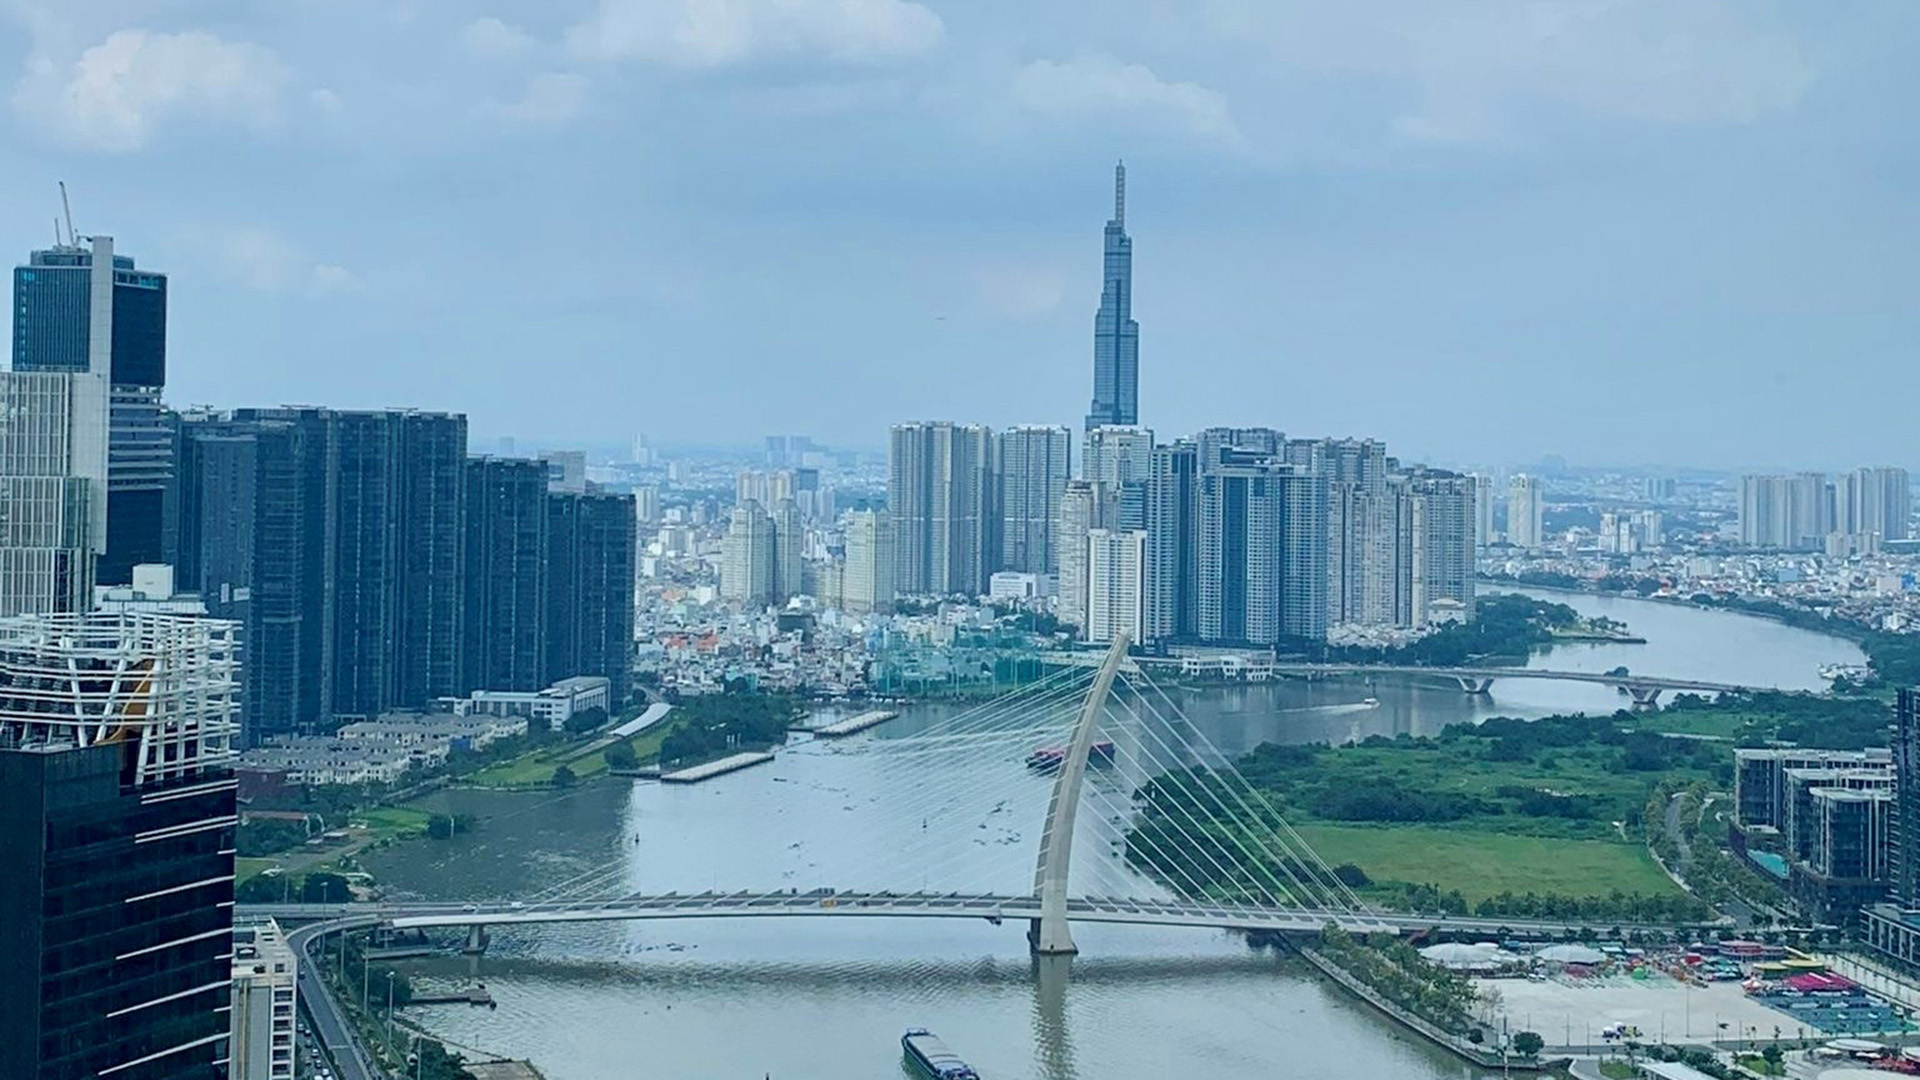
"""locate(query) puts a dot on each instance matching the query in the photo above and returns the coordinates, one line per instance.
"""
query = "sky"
(1624, 231)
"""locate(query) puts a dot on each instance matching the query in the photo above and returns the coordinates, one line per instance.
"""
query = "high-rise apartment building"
(266, 995)
(505, 549)
(1116, 337)
(946, 511)
(1877, 501)
(53, 489)
(1082, 509)
(746, 556)
(339, 540)
(1482, 511)
(867, 578)
(591, 575)
(1119, 458)
(1791, 512)
(789, 550)
(1440, 570)
(1035, 463)
(1526, 512)
(1172, 571)
(1262, 544)
(85, 309)
(1116, 592)
(118, 828)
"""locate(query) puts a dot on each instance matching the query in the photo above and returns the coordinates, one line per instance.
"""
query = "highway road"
(350, 1059)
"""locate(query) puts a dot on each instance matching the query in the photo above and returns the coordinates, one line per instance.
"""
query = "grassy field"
(244, 868)
(536, 768)
(1483, 863)
(394, 822)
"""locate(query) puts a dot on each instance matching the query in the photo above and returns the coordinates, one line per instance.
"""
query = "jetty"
(731, 763)
(853, 725)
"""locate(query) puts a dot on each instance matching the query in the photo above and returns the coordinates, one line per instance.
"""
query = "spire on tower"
(1120, 194)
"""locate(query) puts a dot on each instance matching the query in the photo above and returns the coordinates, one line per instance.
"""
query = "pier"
(853, 725)
(731, 763)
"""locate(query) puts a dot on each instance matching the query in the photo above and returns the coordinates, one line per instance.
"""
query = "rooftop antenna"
(68, 208)
(1119, 195)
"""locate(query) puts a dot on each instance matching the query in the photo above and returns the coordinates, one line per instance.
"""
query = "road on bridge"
(337, 1037)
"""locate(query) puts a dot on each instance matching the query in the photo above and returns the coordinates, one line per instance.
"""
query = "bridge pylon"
(1049, 935)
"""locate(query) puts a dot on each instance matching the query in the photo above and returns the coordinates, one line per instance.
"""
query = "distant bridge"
(1643, 689)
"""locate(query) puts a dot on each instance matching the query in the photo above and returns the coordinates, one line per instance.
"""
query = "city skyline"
(1459, 229)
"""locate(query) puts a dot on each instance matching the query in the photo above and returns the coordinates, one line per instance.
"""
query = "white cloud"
(714, 33)
(490, 37)
(551, 98)
(326, 279)
(1486, 69)
(1098, 87)
(119, 93)
(262, 259)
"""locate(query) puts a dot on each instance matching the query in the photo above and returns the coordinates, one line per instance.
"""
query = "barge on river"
(931, 1058)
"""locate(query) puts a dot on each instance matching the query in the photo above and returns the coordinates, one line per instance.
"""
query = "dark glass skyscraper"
(1116, 337)
(590, 577)
(78, 309)
(506, 554)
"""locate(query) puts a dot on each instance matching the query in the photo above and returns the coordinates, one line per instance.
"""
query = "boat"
(1050, 758)
(930, 1056)
(1371, 702)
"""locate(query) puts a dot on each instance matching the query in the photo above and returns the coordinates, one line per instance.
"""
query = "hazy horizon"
(1613, 230)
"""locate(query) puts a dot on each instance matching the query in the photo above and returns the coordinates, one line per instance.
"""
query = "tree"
(321, 887)
(1773, 1056)
(585, 720)
(564, 777)
(1528, 1043)
(621, 756)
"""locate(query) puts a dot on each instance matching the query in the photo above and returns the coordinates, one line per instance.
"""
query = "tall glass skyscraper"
(1116, 337)
(87, 309)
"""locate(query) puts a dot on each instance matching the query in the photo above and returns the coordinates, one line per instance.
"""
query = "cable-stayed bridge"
(1145, 821)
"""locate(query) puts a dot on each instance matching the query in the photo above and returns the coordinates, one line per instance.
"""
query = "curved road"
(337, 1039)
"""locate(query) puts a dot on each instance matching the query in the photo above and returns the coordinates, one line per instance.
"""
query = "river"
(806, 998)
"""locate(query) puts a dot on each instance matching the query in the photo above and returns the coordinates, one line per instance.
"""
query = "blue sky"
(1620, 230)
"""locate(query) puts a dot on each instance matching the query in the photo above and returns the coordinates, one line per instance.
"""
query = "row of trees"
(1396, 971)
(1504, 625)
(1614, 907)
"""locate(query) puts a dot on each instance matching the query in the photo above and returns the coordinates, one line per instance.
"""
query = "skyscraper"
(789, 551)
(746, 556)
(1119, 458)
(1035, 463)
(1482, 511)
(591, 558)
(1793, 512)
(338, 539)
(1877, 501)
(1116, 596)
(1172, 561)
(1439, 555)
(1261, 551)
(1081, 511)
(946, 517)
(506, 564)
(53, 489)
(1525, 510)
(118, 828)
(868, 582)
(1116, 337)
(85, 309)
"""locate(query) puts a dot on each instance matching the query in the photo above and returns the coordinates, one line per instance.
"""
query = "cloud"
(263, 260)
(1490, 70)
(121, 92)
(491, 38)
(551, 98)
(716, 33)
(1097, 87)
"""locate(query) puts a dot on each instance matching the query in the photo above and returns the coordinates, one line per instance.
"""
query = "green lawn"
(536, 768)
(394, 821)
(1481, 863)
(244, 868)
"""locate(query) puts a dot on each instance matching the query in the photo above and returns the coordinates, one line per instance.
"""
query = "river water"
(828, 997)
